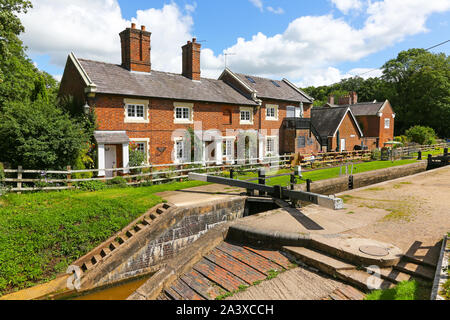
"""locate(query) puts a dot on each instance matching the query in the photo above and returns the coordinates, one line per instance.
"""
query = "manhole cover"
(374, 251)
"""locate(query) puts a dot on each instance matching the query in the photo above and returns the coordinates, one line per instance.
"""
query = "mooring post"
(308, 185)
(446, 156)
(262, 179)
(231, 173)
(293, 180)
(430, 161)
(420, 155)
(350, 182)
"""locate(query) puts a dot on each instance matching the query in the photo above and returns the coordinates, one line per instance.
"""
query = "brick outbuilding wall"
(348, 131)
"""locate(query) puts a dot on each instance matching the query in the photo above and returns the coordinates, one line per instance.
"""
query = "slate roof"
(267, 89)
(366, 108)
(111, 137)
(113, 79)
(327, 120)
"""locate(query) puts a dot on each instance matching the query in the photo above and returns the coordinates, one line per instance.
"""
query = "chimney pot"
(143, 28)
(133, 26)
(194, 40)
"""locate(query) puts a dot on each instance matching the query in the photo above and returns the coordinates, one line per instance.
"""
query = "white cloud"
(308, 47)
(276, 11)
(258, 3)
(346, 5)
(307, 52)
(191, 7)
(91, 30)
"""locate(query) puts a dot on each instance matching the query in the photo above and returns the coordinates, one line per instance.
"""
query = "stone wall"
(186, 226)
(337, 185)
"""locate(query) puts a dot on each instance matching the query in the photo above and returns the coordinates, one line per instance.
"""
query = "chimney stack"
(331, 99)
(191, 60)
(136, 47)
(354, 97)
(350, 98)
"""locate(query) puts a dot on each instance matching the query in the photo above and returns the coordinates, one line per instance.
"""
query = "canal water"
(119, 292)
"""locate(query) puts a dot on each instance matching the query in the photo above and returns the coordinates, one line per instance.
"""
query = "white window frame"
(228, 142)
(175, 146)
(146, 142)
(183, 106)
(387, 123)
(273, 117)
(250, 111)
(267, 151)
(136, 103)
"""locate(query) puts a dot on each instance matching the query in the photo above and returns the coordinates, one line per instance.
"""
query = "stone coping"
(441, 276)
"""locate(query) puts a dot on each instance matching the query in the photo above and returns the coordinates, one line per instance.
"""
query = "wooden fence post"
(151, 174)
(69, 176)
(19, 178)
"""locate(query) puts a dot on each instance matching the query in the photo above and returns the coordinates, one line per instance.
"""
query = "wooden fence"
(18, 180)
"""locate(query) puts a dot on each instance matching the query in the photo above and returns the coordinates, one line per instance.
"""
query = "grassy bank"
(42, 233)
(407, 290)
(322, 174)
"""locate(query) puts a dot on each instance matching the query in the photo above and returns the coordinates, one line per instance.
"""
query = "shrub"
(421, 135)
(403, 139)
(82, 162)
(375, 155)
(91, 185)
(117, 182)
(3, 189)
(2, 172)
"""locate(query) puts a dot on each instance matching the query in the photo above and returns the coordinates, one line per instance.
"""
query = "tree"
(17, 73)
(421, 135)
(419, 85)
(39, 135)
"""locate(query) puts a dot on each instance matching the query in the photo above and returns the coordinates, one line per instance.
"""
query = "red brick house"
(376, 119)
(337, 128)
(154, 109)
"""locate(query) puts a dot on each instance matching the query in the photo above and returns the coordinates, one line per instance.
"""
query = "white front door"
(342, 145)
(110, 159)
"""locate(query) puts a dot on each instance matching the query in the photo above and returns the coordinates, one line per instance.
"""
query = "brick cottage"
(376, 119)
(152, 109)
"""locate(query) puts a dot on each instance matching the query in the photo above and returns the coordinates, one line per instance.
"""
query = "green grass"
(323, 174)
(407, 290)
(42, 233)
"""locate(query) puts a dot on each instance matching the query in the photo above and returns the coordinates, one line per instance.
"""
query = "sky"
(308, 42)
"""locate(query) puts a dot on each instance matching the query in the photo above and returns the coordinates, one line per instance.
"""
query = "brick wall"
(72, 84)
(373, 127)
(386, 134)
(110, 110)
(349, 132)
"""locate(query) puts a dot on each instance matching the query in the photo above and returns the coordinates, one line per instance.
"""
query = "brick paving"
(227, 268)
